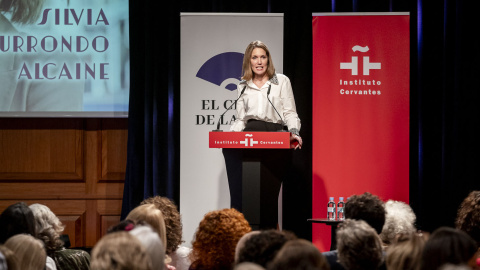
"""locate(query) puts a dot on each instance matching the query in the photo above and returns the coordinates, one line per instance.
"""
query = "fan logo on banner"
(223, 70)
(353, 66)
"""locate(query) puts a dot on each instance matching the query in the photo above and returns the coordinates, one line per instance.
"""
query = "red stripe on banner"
(361, 67)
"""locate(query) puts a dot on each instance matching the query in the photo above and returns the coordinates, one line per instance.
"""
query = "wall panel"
(74, 166)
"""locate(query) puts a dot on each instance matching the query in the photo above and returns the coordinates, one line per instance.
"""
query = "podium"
(256, 164)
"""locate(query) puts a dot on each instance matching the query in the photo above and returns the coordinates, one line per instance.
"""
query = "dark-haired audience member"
(367, 207)
(213, 246)
(173, 225)
(448, 245)
(241, 243)
(49, 228)
(262, 247)
(299, 254)
(120, 250)
(406, 252)
(399, 219)
(29, 251)
(468, 219)
(16, 219)
(359, 246)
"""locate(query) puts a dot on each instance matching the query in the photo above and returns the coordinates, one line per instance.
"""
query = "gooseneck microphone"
(268, 93)
(219, 120)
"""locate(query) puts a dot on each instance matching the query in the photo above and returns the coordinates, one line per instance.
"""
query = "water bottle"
(331, 209)
(341, 204)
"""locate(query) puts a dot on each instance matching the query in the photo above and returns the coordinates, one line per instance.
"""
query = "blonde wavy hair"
(247, 66)
(153, 217)
(28, 250)
(120, 250)
(48, 226)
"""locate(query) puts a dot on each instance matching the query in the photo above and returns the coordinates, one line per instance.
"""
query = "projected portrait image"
(60, 56)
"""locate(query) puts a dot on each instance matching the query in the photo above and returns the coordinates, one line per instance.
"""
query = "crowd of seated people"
(374, 235)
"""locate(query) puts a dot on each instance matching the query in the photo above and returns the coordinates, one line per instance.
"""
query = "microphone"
(218, 124)
(268, 93)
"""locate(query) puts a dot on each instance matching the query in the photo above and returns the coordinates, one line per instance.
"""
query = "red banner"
(253, 140)
(361, 67)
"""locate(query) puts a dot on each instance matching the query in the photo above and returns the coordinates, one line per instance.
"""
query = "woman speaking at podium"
(266, 101)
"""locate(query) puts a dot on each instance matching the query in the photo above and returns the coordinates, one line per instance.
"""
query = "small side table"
(333, 231)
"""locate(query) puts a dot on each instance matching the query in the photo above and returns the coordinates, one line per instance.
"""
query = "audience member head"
(450, 266)
(172, 218)
(152, 216)
(49, 228)
(152, 243)
(366, 207)
(16, 219)
(118, 251)
(248, 266)
(406, 252)
(213, 246)
(29, 251)
(448, 245)
(358, 245)
(125, 225)
(241, 243)
(298, 254)
(468, 216)
(399, 219)
(262, 247)
(8, 260)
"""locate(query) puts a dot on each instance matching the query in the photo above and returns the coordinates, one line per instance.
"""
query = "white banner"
(212, 48)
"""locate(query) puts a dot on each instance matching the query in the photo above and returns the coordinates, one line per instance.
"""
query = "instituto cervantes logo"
(246, 141)
(364, 85)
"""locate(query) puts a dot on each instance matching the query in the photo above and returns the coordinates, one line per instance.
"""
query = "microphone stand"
(219, 120)
(268, 93)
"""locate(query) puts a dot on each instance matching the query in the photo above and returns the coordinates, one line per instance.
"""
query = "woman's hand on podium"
(295, 141)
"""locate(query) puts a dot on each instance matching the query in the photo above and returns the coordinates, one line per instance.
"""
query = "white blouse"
(253, 104)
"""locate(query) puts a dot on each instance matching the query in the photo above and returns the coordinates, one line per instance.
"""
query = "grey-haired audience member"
(399, 219)
(49, 228)
(359, 246)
